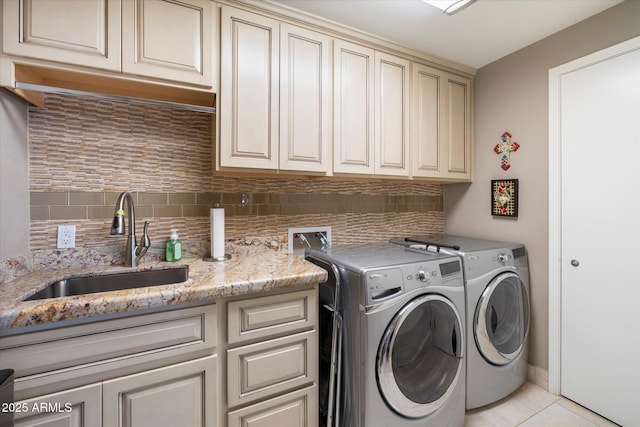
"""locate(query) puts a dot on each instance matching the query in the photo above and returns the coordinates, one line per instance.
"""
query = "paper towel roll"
(217, 233)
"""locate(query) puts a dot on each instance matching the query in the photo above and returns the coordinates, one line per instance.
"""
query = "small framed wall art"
(504, 197)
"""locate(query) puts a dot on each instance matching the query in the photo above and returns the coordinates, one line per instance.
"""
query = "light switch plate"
(66, 236)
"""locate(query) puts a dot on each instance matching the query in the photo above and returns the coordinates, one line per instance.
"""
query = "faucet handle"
(145, 241)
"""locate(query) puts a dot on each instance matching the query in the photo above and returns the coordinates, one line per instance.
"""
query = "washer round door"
(501, 320)
(419, 359)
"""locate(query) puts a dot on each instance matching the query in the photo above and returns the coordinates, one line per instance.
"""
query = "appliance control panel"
(385, 283)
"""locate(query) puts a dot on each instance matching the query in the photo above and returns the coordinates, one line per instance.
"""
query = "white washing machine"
(497, 287)
(402, 327)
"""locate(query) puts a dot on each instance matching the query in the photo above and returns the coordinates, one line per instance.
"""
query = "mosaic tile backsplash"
(84, 152)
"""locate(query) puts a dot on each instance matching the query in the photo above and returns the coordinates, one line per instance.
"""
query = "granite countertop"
(253, 268)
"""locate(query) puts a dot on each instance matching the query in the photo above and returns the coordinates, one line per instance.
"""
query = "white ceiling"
(476, 36)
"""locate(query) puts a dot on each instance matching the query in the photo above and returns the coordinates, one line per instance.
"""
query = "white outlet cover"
(66, 236)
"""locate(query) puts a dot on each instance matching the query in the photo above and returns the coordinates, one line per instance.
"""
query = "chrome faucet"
(134, 251)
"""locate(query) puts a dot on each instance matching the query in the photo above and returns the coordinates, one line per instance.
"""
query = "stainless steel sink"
(111, 282)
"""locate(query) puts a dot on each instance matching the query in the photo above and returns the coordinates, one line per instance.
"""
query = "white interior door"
(600, 232)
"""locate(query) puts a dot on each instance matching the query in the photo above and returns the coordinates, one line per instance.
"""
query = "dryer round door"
(501, 320)
(419, 359)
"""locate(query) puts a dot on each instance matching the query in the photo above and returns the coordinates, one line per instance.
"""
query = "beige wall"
(512, 94)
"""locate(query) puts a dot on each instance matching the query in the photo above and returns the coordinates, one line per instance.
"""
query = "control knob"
(423, 275)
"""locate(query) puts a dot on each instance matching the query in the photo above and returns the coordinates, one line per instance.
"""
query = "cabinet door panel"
(297, 409)
(304, 100)
(71, 408)
(441, 124)
(391, 115)
(261, 370)
(178, 395)
(74, 32)
(459, 138)
(249, 90)
(426, 131)
(353, 108)
(169, 40)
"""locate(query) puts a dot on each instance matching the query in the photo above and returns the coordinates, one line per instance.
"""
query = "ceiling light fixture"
(449, 6)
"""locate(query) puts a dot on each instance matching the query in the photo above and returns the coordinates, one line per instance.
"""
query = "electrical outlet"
(66, 236)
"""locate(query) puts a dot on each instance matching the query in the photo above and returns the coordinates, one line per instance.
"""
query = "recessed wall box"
(302, 238)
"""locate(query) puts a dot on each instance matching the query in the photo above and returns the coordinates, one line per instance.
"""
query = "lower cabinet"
(169, 368)
(297, 409)
(78, 407)
(272, 373)
(267, 368)
(183, 394)
(178, 395)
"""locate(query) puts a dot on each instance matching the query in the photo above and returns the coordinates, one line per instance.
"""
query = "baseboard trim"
(538, 376)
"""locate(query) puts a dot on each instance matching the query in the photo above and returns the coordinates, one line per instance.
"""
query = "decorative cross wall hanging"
(505, 148)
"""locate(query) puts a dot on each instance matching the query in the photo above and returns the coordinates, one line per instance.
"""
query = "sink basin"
(111, 282)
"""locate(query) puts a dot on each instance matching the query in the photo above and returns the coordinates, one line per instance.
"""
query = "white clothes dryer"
(497, 291)
(402, 328)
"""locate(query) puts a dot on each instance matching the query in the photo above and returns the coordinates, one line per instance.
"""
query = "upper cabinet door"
(440, 124)
(169, 40)
(391, 115)
(85, 33)
(305, 93)
(353, 108)
(458, 90)
(427, 134)
(249, 90)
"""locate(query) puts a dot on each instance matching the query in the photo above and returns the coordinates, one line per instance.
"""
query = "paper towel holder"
(219, 259)
(210, 257)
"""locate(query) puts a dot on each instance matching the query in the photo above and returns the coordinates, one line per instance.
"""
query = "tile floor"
(532, 406)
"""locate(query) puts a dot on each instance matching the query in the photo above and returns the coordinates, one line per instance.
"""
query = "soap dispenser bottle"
(174, 247)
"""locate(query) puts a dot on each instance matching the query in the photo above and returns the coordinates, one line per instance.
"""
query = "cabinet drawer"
(297, 409)
(260, 370)
(34, 353)
(268, 316)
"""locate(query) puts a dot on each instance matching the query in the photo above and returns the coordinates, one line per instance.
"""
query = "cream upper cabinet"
(458, 164)
(296, 99)
(353, 108)
(249, 90)
(169, 40)
(440, 124)
(371, 111)
(85, 33)
(275, 95)
(391, 115)
(305, 96)
(427, 134)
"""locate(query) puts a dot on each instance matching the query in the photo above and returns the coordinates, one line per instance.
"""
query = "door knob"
(575, 262)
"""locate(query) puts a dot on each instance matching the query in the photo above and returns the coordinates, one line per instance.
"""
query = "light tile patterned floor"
(532, 406)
